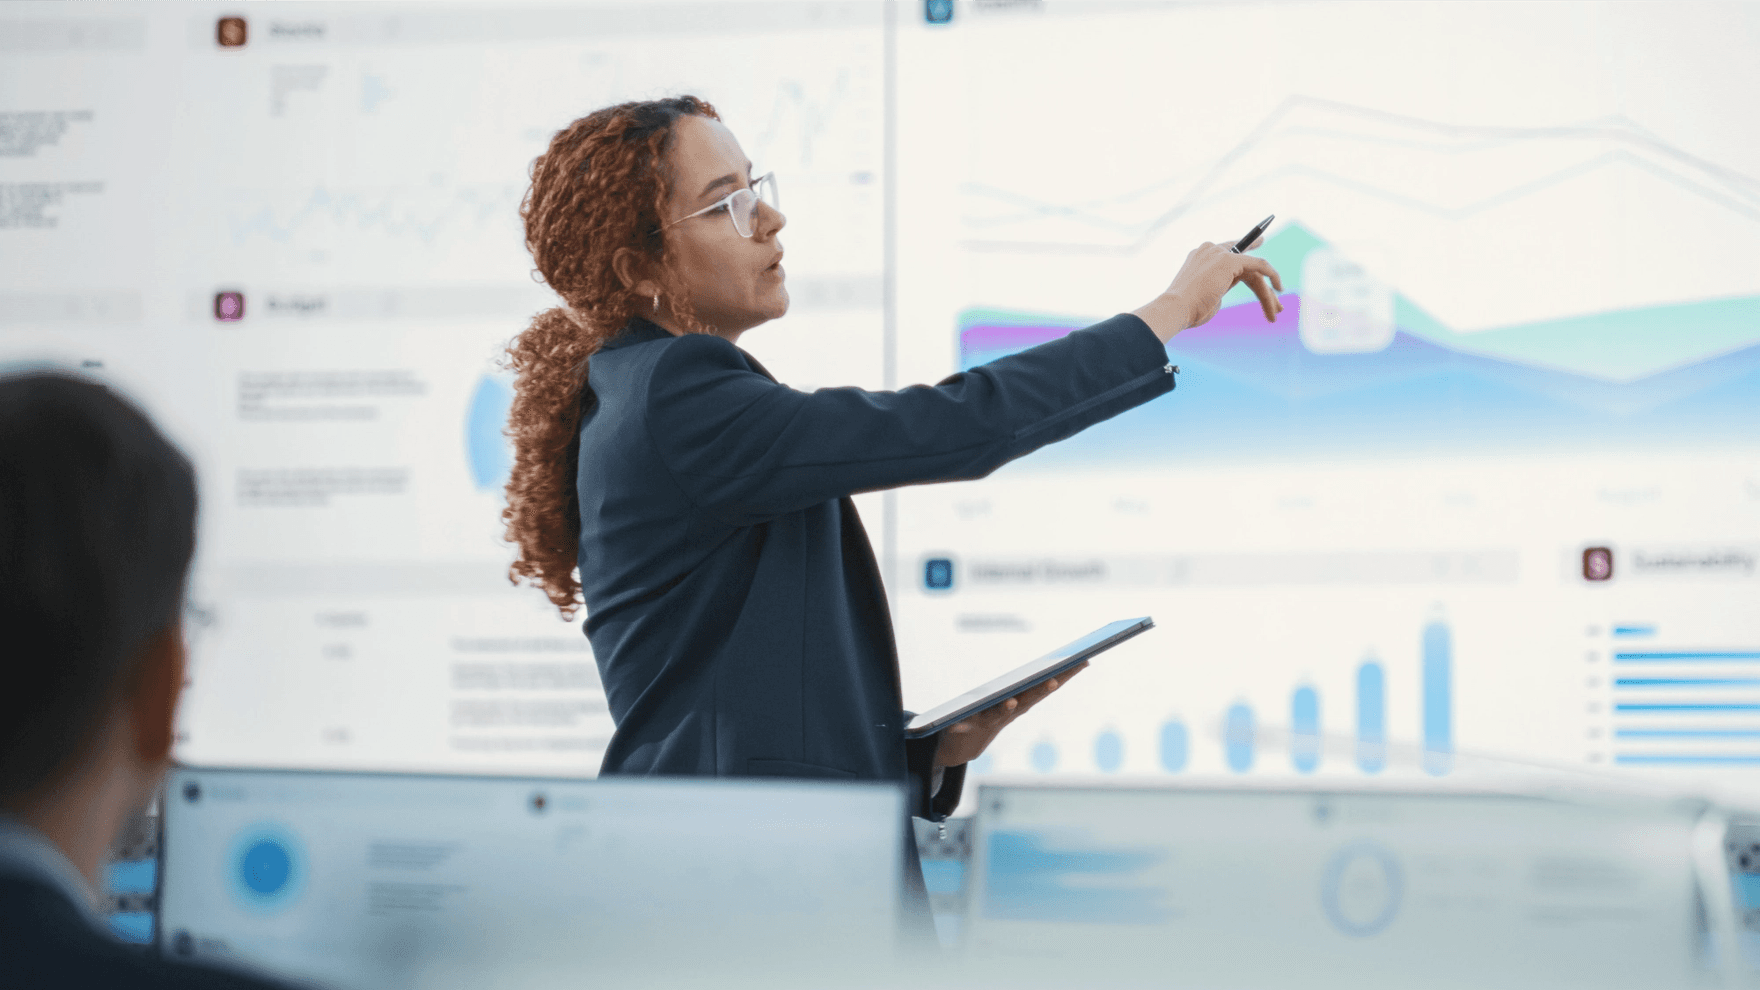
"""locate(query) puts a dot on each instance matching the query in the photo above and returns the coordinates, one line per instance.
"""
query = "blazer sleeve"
(924, 799)
(748, 449)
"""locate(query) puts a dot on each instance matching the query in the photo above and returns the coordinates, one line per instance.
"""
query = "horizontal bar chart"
(1686, 733)
(1700, 682)
(1687, 655)
(1685, 705)
(1712, 706)
(1689, 759)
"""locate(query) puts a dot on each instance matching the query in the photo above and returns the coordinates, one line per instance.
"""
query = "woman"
(733, 602)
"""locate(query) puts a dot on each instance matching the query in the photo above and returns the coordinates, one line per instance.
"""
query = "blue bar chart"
(1239, 739)
(1175, 746)
(1360, 721)
(1304, 722)
(1438, 663)
(1683, 706)
(1371, 717)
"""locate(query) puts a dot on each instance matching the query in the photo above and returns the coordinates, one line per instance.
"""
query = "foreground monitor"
(390, 881)
(1249, 888)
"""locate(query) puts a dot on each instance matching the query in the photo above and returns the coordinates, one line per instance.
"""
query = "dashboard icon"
(228, 306)
(231, 32)
(938, 574)
(1598, 564)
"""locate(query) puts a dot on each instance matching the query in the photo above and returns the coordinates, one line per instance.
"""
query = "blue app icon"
(938, 11)
(938, 574)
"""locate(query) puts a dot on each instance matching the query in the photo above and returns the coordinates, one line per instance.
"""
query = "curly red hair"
(600, 186)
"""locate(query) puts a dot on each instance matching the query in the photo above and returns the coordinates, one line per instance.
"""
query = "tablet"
(1024, 677)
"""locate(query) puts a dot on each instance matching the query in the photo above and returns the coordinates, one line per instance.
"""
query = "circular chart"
(1361, 889)
(266, 868)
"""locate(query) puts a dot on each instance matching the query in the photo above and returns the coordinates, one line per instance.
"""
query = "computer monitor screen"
(387, 881)
(1242, 887)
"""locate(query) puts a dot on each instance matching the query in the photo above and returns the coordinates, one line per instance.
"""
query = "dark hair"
(97, 527)
(599, 187)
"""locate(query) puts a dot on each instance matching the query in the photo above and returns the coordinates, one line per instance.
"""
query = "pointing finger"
(1267, 299)
(1263, 267)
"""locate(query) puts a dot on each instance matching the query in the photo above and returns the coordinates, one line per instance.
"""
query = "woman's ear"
(632, 271)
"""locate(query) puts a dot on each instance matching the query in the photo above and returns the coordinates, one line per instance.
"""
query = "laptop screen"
(1245, 887)
(384, 881)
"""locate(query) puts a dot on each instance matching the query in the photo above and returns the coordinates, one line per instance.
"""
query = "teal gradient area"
(1614, 346)
(1034, 877)
(1251, 389)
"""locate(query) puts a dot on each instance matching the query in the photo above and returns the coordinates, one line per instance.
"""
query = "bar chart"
(1683, 704)
(1249, 742)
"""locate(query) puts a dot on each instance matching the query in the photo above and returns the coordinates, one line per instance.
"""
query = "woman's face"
(733, 283)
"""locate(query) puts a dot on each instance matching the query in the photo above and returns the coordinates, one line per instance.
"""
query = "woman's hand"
(1196, 293)
(964, 740)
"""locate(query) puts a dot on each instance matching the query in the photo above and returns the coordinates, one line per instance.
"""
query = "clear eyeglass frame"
(741, 205)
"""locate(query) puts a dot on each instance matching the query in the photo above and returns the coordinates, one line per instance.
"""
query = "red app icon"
(1597, 564)
(228, 306)
(231, 32)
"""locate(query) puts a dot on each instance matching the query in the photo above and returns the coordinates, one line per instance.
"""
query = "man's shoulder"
(48, 943)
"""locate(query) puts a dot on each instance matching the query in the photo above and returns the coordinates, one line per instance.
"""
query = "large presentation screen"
(292, 232)
(1490, 486)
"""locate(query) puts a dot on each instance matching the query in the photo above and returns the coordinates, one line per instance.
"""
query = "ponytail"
(549, 361)
(598, 189)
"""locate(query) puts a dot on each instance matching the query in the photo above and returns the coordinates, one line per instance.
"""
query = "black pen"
(1252, 235)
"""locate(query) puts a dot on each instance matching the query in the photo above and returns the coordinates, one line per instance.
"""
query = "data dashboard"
(292, 232)
(1486, 493)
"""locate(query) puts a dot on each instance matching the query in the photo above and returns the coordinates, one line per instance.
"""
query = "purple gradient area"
(1232, 328)
(1246, 323)
(997, 340)
(1251, 388)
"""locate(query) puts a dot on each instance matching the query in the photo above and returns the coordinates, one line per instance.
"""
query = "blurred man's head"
(97, 527)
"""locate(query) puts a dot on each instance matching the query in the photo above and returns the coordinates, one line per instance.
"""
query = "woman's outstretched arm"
(748, 449)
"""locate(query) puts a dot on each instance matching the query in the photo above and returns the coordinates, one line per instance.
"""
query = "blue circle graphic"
(1361, 889)
(486, 448)
(1044, 756)
(266, 867)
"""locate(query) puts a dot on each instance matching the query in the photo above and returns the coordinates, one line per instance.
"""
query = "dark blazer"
(733, 601)
(48, 943)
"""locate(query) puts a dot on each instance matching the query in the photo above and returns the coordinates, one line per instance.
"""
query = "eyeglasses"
(742, 205)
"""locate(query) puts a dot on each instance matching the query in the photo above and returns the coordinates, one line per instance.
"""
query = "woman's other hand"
(965, 740)
(1196, 293)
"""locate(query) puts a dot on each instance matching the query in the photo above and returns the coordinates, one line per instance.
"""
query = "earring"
(656, 302)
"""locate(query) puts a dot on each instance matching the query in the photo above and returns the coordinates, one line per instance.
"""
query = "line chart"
(415, 213)
(1300, 116)
(814, 109)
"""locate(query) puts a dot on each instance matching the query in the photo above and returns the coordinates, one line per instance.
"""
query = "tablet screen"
(1027, 675)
